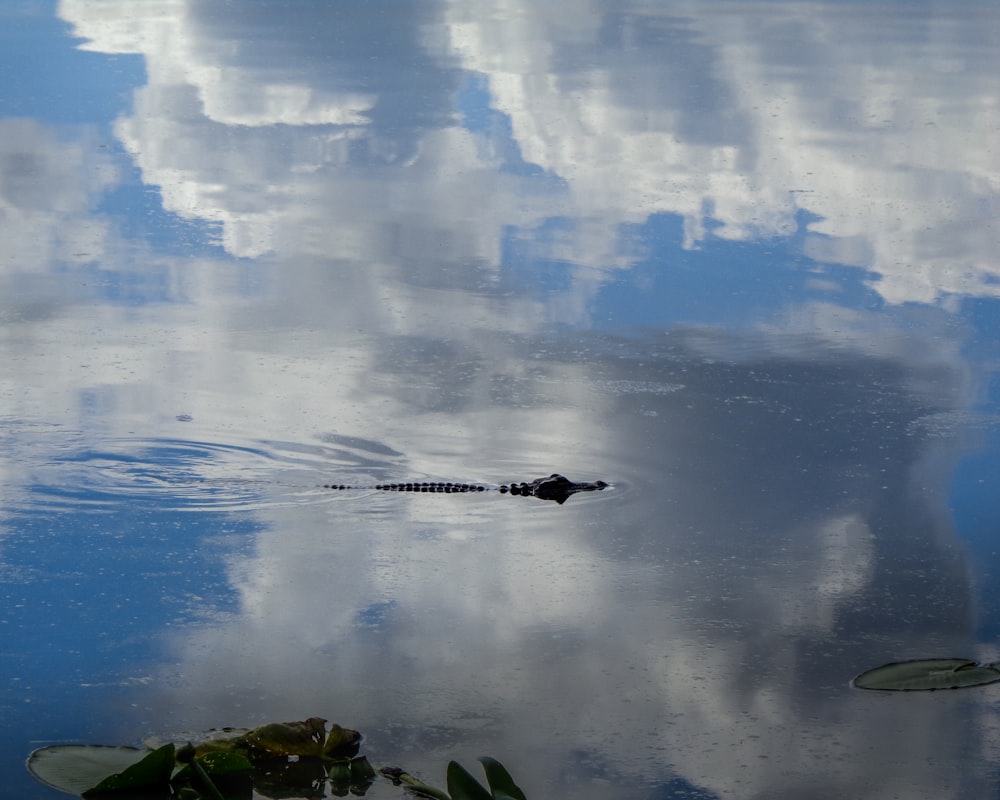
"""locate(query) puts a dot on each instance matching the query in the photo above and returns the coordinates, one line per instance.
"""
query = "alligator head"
(555, 487)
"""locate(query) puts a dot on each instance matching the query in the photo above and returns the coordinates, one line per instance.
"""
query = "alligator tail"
(417, 487)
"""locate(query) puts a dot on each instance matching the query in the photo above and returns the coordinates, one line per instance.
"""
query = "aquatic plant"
(281, 759)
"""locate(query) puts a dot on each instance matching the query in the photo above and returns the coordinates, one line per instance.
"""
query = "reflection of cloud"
(793, 113)
(167, 34)
(891, 160)
(292, 188)
(200, 131)
(384, 178)
(48, 188)
(701, 620)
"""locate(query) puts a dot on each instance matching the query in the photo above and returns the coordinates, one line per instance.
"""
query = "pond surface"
(739, 261)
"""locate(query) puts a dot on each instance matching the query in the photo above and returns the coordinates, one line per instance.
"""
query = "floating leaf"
(501, 784)
(927, 674)
(74, 768)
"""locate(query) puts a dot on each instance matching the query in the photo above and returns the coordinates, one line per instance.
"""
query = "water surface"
(738, 261)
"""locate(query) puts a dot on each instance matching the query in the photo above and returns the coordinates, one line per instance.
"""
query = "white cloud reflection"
(48, 189)
(177, 56)
(880, 124)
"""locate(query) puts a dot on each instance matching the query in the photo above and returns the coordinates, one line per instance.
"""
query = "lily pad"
(928, 674)
(76, 769)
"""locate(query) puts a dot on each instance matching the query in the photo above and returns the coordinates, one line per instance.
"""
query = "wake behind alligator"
(555, 487)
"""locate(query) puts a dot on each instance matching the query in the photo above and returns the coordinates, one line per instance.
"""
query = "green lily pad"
(928, 674)
(95, 769)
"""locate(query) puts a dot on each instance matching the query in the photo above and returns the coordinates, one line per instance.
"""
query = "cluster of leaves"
(297, 759)
(281, 759)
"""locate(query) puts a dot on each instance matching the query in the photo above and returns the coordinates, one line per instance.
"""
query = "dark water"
(738, 261)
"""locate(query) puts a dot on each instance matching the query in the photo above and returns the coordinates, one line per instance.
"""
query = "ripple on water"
(184, 474)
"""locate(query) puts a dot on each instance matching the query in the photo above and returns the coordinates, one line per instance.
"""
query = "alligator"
(555, 487)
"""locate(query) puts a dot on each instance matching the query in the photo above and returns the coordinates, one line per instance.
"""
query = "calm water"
(740, 261)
